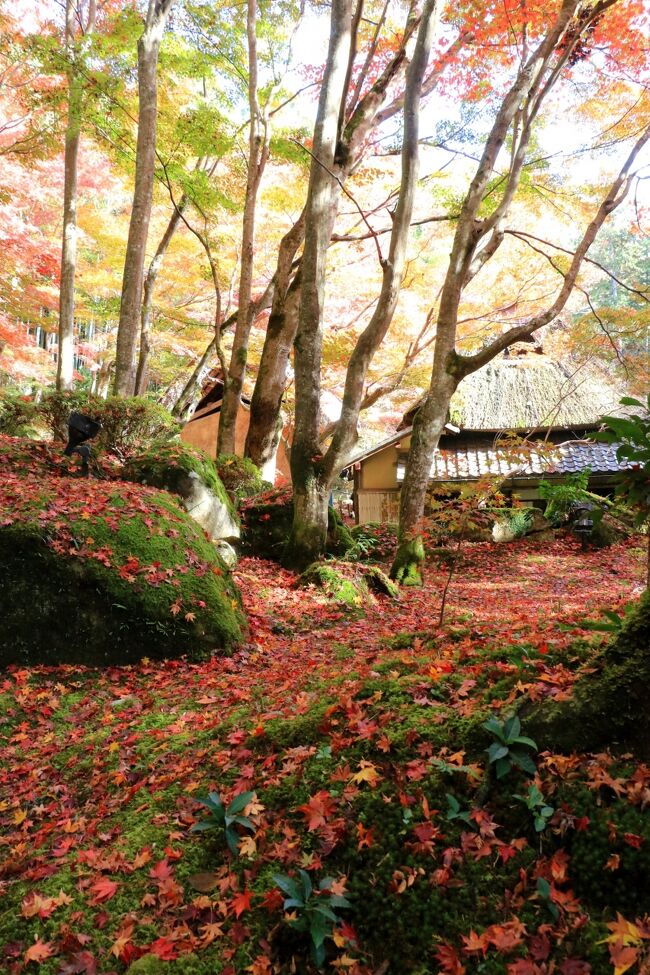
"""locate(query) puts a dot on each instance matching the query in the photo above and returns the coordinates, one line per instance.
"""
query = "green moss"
(163, 464)
(608, 706)
(406, 569)
(348, 592)
(64, 606)
(239, 476)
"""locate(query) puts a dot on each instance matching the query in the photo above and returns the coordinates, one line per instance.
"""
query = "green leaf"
(497, 751)
(287, 884)
(306, 883)
(511, 728)
(494, 727)
(524, 761)
(502, 767)
(239, 803)
(523, 740)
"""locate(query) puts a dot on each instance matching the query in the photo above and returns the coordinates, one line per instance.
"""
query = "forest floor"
(360, 735)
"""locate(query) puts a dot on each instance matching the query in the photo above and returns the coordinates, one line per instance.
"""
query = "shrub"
(373, 542)
(561, 498)
(18, 415)
(129, 425)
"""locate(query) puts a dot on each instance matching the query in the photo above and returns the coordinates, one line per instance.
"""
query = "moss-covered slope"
(97, 572)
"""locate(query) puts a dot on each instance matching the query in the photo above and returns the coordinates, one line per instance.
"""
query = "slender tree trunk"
(65, 360)
(128, 328)
(309, 529)
(262, 439)
(317, 474)
(258, 149)
(147, 298)
(364, 118)
(519, 108)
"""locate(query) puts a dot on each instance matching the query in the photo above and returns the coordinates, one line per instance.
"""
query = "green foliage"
(510, 748)
(129, 425)
(17, 415)
(226, 818)
(613, 622)
(518, 520)
(373, 541)
(456, 811)
(561, 497)
(240, 477)
(535, 802)
(632, 435)
(315, 909)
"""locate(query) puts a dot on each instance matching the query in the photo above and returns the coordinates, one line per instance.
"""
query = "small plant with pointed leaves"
(510, 748)
(312, 910)
(535, 802)
(226, 818)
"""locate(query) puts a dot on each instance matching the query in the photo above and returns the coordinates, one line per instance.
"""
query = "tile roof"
(467, 462)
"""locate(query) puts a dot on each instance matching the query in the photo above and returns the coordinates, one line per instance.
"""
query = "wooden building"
(529, 395)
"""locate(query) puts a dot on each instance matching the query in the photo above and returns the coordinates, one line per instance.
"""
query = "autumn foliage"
(360, 741)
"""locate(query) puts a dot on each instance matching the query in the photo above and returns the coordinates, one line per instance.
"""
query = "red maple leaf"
(241, 902)
(317, 809)
(103, 890)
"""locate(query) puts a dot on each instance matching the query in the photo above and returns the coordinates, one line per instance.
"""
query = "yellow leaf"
(367, 773)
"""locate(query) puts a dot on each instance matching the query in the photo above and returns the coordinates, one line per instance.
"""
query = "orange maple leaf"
(317, 809)
(39, 951)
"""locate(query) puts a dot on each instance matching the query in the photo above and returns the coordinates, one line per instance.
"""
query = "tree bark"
(309, 530)
(65, 358)
(262, 439)
(128, 328)
(364, 118)
(146, 312)
(317, 473)
(258, 151)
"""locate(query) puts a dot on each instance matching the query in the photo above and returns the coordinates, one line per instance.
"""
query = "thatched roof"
(523, 392)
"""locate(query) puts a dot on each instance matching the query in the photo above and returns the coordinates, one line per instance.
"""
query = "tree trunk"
(262, 439)
(128, 328)
(309, 530)
(147, 300)
(310, 515)
(65, 358)
(608, 707)
(258, 149)
(281, 331)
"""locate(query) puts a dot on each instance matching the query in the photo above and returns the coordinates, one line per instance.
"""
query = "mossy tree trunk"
(608, 707)
(308, 538)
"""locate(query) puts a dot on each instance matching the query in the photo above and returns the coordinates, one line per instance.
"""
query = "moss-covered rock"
(95, 572)
(609, 705)
(240, 477)
(189, 473)
(348, 591)
(348, 583)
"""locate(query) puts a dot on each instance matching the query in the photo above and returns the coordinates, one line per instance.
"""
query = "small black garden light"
(80, 429)
(583, 523)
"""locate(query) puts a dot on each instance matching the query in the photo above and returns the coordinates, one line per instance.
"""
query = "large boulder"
(189, 473)
(100, 572)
